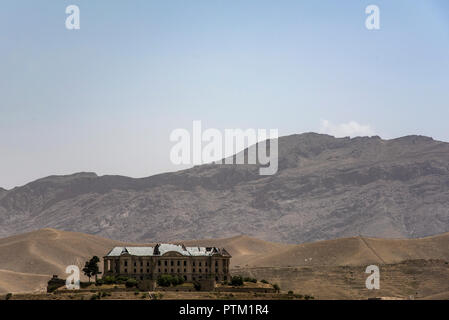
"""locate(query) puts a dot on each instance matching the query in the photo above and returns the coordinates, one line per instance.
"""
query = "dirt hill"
(357, 251)
(27, 261)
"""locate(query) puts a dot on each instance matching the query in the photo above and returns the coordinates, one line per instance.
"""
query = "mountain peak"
(414, 139)
(325, 188)
(77, 175)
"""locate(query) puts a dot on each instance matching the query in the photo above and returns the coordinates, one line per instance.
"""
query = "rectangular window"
(126, 263)
(185, 263)
(200, 264)
(193, 270)
(148, 270)
(135, 271)
(141, 263)
(148, 264)
(141, 270)
(126, 270)
(159, 263)
(165, 262)
(185, 270)
(135, 264)
(199, 271)
(171, 263)
(179, 262)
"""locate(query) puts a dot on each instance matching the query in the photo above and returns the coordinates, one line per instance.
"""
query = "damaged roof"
(163, 248)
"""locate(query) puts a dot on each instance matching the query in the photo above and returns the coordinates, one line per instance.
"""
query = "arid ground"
(332, 269)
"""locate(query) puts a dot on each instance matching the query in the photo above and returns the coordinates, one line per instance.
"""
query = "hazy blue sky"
(106, 97)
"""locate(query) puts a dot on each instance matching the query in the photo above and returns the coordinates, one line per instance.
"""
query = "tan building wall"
(190, 268)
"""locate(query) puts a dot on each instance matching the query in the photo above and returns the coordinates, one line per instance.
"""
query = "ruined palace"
(148, 263)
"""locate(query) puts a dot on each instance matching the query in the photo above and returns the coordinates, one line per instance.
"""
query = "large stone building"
(148, 263)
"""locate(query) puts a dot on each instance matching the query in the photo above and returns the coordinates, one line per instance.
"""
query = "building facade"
(148, 263)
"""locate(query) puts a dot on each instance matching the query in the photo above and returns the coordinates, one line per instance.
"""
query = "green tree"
(164, 280)
(237, 281)
(91, 268)
(94, 264)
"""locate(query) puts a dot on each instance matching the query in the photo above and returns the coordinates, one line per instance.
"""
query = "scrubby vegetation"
(99, 295)
(236, 281)
(131, 283)
(248, 279)
(95, 296)
(113, 280)
(167, 280)
(54, 283)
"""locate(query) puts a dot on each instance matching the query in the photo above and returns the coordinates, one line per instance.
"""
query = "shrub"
(144, 295)
(121, 279)
(99, 282)
(130, 283)
(167, 280)
(52, 287)
(264, 281)
(179, 280)
(290, 293)
(109, 279)
(276, 287)
(237, 281)
(8, 296)
(157, 296)
(55, 283)
(164, 280)
(95, 297)
(248, 279)
(307, 297)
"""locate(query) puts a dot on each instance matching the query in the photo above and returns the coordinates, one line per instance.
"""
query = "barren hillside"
(28, 261)
(325, 188)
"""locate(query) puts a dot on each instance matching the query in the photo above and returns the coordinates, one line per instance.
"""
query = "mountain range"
(325, 188)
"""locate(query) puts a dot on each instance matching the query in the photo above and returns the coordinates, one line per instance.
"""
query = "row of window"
(193, 278)
(178, 263)
(171, 270)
